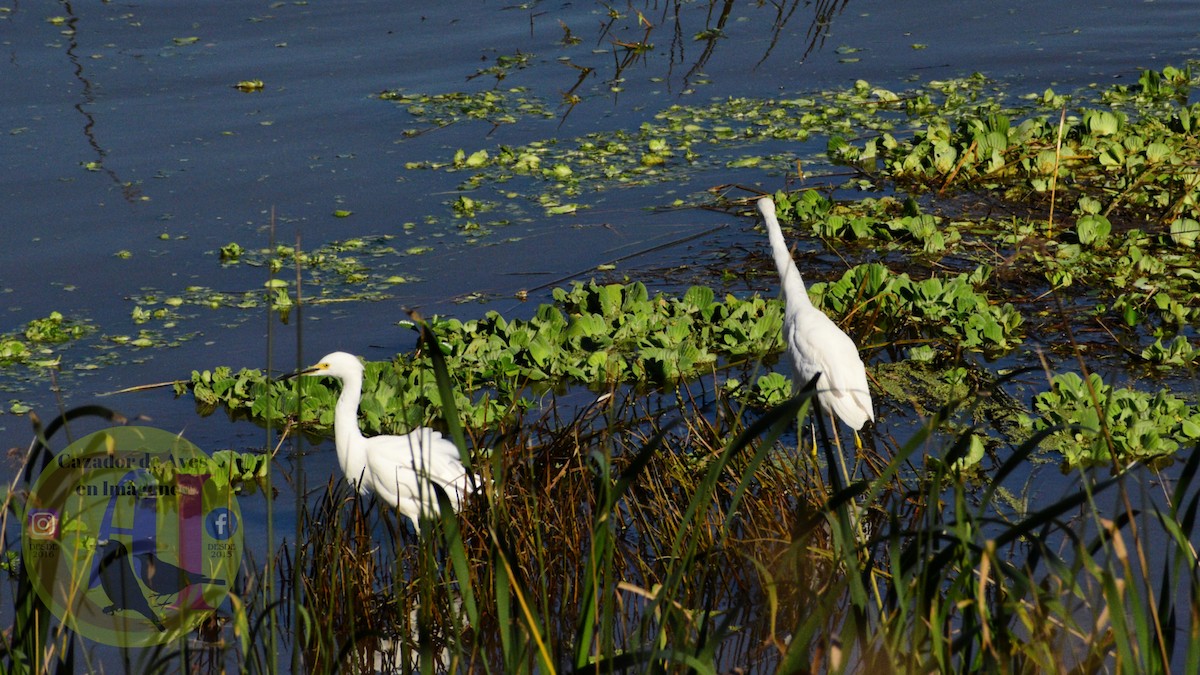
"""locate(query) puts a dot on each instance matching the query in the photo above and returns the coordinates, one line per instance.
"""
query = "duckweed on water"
(495, 107)
(342, 270)
(30, 352)
(34, 343)
(682, 141)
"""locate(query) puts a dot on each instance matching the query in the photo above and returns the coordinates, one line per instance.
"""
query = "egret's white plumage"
(400, 469)
(814, 342)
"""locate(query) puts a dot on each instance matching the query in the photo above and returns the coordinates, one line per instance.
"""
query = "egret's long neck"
(789, 274)
(345, 418)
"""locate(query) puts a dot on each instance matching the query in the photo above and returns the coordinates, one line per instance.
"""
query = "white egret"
(400, 469)
(814, 342)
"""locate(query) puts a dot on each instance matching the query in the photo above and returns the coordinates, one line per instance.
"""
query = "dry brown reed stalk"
(347, 571)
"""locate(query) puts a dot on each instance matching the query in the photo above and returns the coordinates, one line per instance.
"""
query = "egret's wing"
(850, 398)
(359, 476)
(403, 467)
(442, 463)
(819, 346)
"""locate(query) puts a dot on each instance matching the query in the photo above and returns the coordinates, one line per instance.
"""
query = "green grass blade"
(452, 535)
(445, 387)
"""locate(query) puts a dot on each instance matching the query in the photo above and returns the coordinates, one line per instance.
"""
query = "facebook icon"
(221, 523)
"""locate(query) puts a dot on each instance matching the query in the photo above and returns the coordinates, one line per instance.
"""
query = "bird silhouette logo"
(120, 583)
(166, 580)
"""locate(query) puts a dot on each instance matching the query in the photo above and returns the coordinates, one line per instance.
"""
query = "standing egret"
(814, 342)
(400, 469)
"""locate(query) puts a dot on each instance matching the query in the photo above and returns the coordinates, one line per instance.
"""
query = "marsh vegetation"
(1018, 270)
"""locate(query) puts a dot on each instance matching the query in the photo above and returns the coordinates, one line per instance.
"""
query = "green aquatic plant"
(603, 335)
(767, 391)
(1155, 89)
(360, 269)
(892, 222)
(494, 106)
(1098, 424)
(338, 268)
(1179, 352)
(55, 328)
(242, 472)
(1105, 161)
(952, 310)
(1142, 280)
(35, 343)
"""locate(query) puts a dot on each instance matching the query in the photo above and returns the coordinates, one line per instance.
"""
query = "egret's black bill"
(303, 371)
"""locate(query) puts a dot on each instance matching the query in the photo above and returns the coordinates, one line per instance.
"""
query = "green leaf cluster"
(1179, 352)
(1101, 422)
(885, 219)
(243, 472)
(1144, 167)
(54, 329)
(32, 344)
(615, 333)
(951, 309)
(1137, 277)
(495, 106)
(1160, 89)
(768, 390)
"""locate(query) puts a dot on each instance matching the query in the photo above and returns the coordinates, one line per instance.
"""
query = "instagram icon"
(43, 524)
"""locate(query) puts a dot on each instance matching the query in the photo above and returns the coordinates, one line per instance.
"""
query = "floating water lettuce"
(1106, 426)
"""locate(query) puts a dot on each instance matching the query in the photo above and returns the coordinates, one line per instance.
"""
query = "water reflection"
(631, 40)
(128, 190)
(824, 12)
